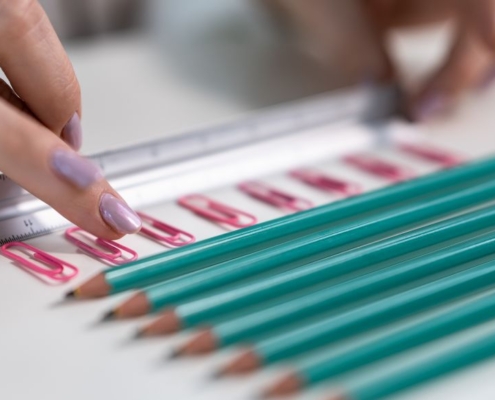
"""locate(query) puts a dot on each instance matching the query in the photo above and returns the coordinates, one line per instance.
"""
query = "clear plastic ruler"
(262, 143)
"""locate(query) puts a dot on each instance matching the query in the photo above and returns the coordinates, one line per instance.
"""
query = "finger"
(40, 72)
(43, 164)
(400, 13)
(325, 25)
(480, 18)
(11, 97)
(466, 65)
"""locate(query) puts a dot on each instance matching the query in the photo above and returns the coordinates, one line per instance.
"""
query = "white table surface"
(53, 351)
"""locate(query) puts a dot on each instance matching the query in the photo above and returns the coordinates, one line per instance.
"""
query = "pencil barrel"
(375, 314)
(332, 297)
(433, 326)
(235, 244)
(379, 382)
(179, 289)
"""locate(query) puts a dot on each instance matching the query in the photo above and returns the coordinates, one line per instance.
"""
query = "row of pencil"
(301, 284)
(114, 253)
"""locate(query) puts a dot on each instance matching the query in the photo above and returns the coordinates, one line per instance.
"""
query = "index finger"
(38, 68)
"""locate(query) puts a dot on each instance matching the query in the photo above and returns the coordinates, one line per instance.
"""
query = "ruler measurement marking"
(152, 156)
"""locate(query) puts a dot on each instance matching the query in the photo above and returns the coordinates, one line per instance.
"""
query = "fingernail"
(72, 132)
(76, 169)
(487, 80)
(430, 106)
(118, 215)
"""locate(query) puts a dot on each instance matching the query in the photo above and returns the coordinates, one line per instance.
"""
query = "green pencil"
(337, 361)
(443, 357)
(177, 290)
(234, 244)
(323, 300)
(328, 330)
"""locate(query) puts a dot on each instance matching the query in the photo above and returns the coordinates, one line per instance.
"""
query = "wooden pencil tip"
(246, 362)
(337, 396)
(70, 295)
(216, 375)
(139, 334)
(289, 384)
(175, 353)
(109, 316)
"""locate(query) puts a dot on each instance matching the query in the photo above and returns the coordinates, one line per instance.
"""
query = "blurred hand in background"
(354, 33)
(40, 129)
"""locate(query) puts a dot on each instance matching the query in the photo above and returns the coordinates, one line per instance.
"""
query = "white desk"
(57, 351)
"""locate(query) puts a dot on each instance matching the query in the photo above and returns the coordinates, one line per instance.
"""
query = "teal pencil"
(177, 290)
(234, 244)
(337, 361)
(319, 301)
(442, 358)
(328, 330)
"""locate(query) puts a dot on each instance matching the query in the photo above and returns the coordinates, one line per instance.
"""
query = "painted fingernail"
(430, 106)
(76, 169)
(487, 80)
(72, 132)
(118, 215)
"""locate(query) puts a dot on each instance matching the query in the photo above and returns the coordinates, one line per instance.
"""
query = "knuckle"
(18, 17)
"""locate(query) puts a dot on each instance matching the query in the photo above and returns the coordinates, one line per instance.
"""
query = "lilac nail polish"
(72, 132)
(430, 106)
(118, 215)
(74, 168)
(487, 80)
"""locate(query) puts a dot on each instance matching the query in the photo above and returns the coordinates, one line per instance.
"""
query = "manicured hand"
(361, 36)
(40, 129)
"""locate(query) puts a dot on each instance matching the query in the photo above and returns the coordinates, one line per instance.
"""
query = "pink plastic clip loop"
(274, 196)
(113, 254)
(438, 156)
(381, 168)
(327, 183)
(56, 269)
(176, 237)
(218, 212)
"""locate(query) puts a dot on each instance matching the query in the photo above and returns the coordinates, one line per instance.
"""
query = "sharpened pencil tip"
(175, 353)
(109, 316)
(216, 375)
(139, 334)
(70, 295)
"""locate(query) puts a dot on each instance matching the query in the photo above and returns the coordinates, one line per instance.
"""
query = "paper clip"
(218, 212)
(381, 168)
(327, 183)
(428, 153)
(175, 237)
(113, 253)
(56, 269)
(275, 197)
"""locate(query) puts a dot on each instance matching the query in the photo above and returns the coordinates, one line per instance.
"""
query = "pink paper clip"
(54, 269)
(113, 255)
(175, 237)
(428, 153)
(275, 197)
(327, 183)
(381, 168)
(218, 212)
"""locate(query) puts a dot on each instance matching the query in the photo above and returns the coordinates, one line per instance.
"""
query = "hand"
(361, 35)
(40, 126)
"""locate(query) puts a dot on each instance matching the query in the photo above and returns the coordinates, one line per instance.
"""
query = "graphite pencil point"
(139, 334)
(109, 316)
(70, 295)
(175, 353)
(216, 375)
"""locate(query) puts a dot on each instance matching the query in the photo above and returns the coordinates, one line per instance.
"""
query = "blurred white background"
(160, 67)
